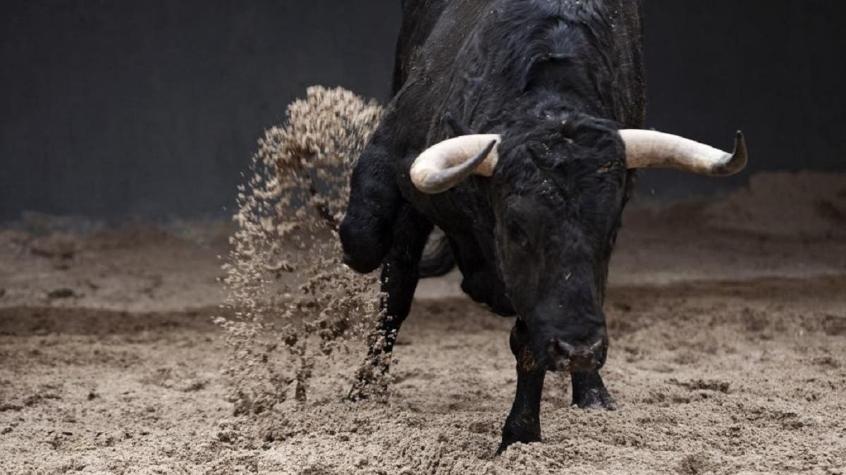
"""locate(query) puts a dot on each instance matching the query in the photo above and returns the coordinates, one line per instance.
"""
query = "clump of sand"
(293, 303)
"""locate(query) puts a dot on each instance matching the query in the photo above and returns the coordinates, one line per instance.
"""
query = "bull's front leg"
(523, 422)
(400, 274)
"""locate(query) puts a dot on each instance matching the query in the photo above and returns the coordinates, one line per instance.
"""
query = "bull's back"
(418, 19)
(437, 43)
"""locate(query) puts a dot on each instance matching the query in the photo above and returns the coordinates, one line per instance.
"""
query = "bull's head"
(557, 190)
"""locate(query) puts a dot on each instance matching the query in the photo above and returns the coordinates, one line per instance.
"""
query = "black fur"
(556, 79)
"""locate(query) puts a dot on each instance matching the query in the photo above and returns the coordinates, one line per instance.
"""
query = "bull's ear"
(366, 231)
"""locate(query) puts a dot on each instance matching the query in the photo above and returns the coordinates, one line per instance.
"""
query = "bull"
(516, 127)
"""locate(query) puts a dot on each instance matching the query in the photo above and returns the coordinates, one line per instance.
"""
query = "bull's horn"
(448, 163)
(651, 149)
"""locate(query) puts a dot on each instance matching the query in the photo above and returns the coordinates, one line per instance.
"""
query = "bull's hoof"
(356, 394)
(595, 398)
(589, 392)
(508, 442)
(512, 434)
(368, 390)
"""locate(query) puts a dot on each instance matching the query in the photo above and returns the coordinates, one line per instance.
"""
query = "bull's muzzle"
(567, 358)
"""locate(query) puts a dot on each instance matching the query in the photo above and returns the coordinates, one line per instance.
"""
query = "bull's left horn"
(651, 149)
(448, 163)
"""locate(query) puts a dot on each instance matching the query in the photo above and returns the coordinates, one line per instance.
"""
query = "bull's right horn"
(651, 149)
(448, 163)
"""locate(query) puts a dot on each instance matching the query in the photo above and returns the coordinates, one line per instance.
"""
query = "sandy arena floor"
(728, 325)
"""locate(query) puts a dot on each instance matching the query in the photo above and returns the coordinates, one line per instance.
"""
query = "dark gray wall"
(152, 108)
(773, 68)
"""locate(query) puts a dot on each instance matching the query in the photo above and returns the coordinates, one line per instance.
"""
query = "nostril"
(597, 346)
(564, 348)
(559, 355)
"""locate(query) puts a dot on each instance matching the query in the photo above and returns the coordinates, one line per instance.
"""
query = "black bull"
(556, 80)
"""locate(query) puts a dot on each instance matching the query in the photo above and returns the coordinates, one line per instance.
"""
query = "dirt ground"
(728, 354)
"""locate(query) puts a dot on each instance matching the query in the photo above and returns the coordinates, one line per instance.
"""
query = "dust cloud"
(293, 303)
